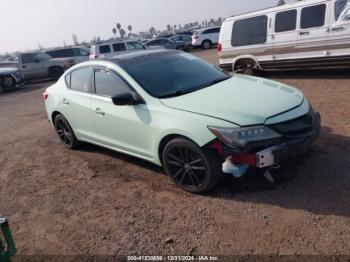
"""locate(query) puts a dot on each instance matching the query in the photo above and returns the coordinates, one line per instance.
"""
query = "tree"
(130, 29)
(281, 2)
(114, 30)
(122, 33)
(152, 31)
(168, 27)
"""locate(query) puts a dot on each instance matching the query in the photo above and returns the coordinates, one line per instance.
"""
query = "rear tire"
(55, 72)
(65, 132)
(246, 68)
(206, 44)
(192, 168)
(8, 82)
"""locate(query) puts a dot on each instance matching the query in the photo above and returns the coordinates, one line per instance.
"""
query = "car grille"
(296, 128)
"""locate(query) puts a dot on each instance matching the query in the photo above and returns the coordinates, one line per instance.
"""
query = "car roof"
(275, 9)
(116, 42)
(64, 48)
(203, 29)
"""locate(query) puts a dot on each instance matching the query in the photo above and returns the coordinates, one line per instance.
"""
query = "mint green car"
(177, 111)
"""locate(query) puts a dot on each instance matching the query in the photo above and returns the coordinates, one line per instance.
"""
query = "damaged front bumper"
(272, 153)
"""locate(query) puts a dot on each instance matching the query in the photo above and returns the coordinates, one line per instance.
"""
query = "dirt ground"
(97, 202)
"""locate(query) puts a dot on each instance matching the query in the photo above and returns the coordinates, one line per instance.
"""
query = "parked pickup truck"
(10, 78)
(40, 65)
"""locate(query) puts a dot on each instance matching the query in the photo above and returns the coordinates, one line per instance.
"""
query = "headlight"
(240, 137)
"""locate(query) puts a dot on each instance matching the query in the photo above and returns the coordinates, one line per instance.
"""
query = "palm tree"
(130, 29)
(114, 32)
(122, 33)
(281, 2)
(119, 27)
(168, 27)
(152, 31)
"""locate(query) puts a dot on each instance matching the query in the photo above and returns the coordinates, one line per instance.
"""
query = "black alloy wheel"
(65, 132)
(192, 168)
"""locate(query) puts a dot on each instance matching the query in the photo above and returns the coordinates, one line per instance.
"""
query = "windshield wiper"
(176, 93)
(185, 92)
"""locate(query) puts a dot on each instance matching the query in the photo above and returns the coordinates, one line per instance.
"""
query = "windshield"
(341, 10)
(43, 56)
(174, 74)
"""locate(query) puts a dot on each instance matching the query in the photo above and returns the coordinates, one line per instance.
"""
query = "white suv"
(206, 37)
(109, 49)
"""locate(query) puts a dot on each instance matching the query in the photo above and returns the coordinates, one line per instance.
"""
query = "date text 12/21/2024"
(172, 258)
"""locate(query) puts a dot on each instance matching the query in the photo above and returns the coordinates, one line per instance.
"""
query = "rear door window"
(250, 31)
(80, 52)
(108, 84)
(135, 46)
(119, 47)
(313, 16)
(286, 21)
(80, 80)
(28, 58)
(341, 10)
(105, 49)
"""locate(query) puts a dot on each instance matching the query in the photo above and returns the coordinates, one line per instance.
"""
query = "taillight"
(219, 47)
(45, 95)
(92, 56)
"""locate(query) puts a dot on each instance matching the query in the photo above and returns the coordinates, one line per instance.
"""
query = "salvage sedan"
(177, 111)
(10, 78)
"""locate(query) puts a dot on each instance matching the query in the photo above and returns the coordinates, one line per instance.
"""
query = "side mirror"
(127, 99)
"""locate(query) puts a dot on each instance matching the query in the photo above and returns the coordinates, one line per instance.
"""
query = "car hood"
(241, 100)
(7, 65)
(4, 71)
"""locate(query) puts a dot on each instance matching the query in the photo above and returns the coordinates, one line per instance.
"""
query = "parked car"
(165, 36)
(39, 65)
(185, 39)
(104, 50)
(305, 34)
(181, 38)
(166, 43)
(10, 78)
(177, 111)
(206, 38)
(78, 54)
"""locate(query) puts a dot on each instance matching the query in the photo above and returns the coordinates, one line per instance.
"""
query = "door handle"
(24, 66)
(304, 33)
(65, 101)
(99, 112)
(339, 28)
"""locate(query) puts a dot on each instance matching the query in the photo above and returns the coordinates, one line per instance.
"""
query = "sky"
(27, 23)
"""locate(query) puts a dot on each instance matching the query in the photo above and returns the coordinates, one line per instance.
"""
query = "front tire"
(192, 168)
(65, 132)
(8, 83)
(206, 44)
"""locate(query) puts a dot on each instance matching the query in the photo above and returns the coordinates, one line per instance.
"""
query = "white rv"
(306, 34)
